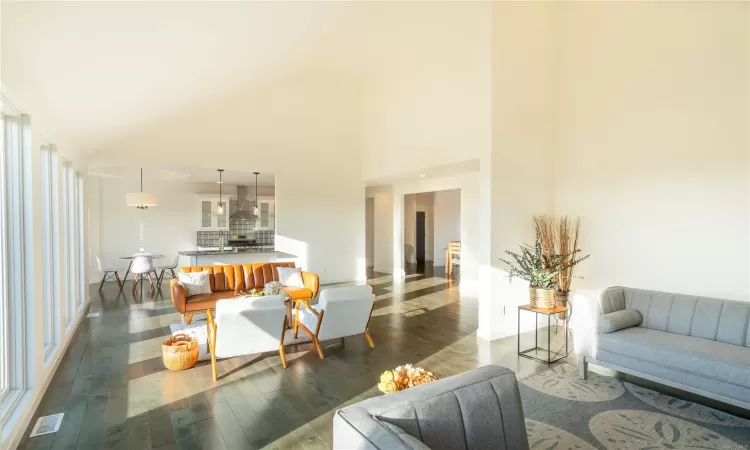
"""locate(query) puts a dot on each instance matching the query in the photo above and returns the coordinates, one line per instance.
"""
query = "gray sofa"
(697, 344)
(480, 409)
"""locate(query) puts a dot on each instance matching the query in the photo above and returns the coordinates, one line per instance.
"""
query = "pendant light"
(220, 208)
(141, 200)
(256, 211)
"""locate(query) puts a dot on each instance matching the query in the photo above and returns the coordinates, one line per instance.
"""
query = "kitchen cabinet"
(267, 214)
(210, 219)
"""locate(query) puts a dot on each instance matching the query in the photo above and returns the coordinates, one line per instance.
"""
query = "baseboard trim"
(26, 408)
(491, 335)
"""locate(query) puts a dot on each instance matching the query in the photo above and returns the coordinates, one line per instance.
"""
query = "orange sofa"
(227, 281)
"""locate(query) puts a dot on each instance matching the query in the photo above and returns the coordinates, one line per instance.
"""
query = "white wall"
(426, 101)
(653, 148)
(518, 174)
(319, 208)
(164, 229)
(410, 228)
(383, 227)
(370, 231)
(447, 222)
(425, 204)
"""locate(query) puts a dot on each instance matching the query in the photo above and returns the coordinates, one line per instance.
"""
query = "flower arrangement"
(404, 377)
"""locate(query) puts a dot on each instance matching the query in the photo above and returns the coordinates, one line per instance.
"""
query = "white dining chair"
(143, 265)
(109, 273)
(246, 326)
(340, 312)
(169, 267)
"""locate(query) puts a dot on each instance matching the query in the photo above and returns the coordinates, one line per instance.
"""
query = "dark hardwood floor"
(116, 393)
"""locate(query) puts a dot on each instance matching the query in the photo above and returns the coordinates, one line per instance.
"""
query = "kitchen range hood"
(243, 205)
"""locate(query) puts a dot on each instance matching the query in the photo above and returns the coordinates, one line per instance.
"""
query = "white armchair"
(245, 326)
(340, 312)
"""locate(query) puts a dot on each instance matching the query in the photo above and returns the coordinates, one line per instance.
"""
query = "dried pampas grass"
(559, 236)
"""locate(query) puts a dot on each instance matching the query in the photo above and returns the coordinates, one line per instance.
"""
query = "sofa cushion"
(707, 318)
(202, 302)
(222, 278)
(703, 357)
(733, 323)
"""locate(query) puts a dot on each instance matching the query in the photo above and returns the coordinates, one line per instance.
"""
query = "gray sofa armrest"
(619, 320)
(588, 306)
(474, 410)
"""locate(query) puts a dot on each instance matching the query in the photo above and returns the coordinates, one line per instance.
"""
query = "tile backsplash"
(219, 238)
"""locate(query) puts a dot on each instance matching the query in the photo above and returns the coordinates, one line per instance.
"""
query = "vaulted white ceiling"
(97, 72)
(101, 70)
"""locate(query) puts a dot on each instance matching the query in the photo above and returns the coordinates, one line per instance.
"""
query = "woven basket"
(542, 298)
(179, 352)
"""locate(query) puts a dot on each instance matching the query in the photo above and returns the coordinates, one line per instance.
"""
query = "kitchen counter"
(228, 257)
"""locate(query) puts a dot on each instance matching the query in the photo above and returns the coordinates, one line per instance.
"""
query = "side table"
(549, 312)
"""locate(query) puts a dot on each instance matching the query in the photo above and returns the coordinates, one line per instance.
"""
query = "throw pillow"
(618, 320)
(291, 277)
(195, 283)
(272, 288)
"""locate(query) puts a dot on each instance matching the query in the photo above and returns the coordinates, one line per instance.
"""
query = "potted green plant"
(542, 270)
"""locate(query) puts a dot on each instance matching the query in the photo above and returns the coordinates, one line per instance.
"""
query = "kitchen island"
(235, 256)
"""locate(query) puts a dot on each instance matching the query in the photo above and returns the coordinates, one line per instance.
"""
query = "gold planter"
(542, 298)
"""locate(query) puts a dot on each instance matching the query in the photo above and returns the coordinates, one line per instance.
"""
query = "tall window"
(69, 221)
(15, 261)
(82, 287)
(51, 248)
(4, 307)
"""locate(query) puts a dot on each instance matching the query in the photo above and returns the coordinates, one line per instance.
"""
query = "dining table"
(130, 258)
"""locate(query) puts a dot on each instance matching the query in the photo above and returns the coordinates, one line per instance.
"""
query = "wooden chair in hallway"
(340, 312)
(452, 257)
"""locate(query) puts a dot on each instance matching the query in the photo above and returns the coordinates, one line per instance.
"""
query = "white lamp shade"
(140, 199)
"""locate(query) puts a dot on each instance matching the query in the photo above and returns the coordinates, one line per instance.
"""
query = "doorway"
(420, 237)
(370, 232)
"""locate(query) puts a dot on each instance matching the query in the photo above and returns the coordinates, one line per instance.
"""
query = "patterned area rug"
(563, 412)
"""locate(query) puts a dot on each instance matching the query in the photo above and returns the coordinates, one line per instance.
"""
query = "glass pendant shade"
(141, 200)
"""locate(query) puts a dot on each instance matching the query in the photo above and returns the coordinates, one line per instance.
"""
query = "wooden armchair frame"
(211, 325)
(319, 315)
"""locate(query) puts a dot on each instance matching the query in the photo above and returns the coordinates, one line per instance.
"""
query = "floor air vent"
(47, 425)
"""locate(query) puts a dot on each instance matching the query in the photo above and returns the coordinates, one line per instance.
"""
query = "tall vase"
(561, 299)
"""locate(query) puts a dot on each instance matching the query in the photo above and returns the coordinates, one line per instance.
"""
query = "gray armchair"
(480, 409)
